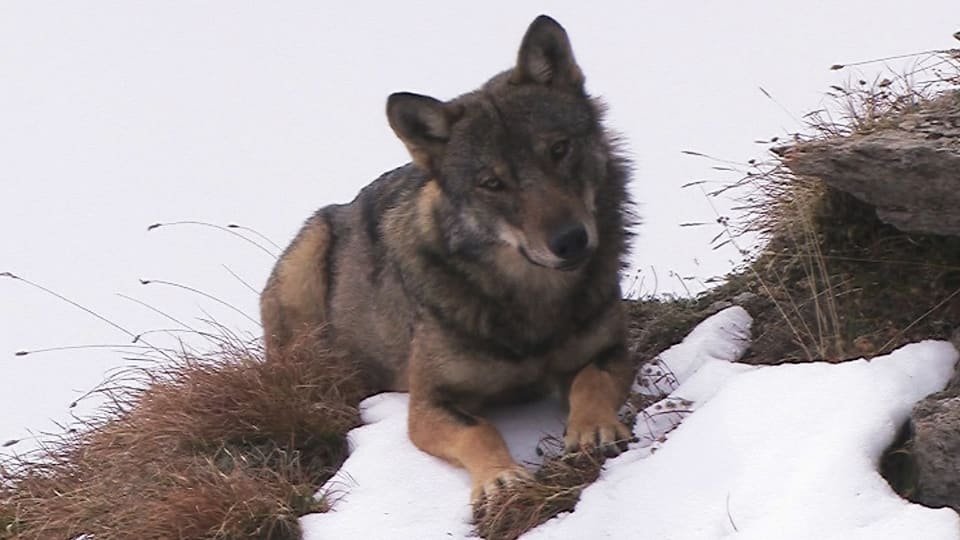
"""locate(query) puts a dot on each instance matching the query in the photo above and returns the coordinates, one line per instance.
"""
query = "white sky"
(119, 114)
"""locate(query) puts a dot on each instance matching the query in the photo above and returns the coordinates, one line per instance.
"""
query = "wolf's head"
(519, 163)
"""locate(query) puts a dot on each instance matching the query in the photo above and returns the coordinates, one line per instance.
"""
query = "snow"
(390, 489)
(785, 452)
(779, 452)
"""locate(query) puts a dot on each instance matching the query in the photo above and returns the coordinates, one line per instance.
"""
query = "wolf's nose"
(570, 242)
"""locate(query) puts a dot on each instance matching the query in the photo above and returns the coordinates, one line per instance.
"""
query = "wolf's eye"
(560, 149)
(491, 182)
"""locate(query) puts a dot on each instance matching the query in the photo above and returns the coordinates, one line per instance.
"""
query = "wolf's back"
(336, 274)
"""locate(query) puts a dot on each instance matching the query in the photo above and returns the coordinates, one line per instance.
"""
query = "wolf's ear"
(546, 57)
(423, 124)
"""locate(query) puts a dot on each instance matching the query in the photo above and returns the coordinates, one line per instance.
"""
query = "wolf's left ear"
(546, 57)
(423, 124)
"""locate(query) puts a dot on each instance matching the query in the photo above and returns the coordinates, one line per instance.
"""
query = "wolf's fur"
(485, 271)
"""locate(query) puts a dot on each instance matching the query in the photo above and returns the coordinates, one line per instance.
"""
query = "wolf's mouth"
(571, 265)
(565, 265)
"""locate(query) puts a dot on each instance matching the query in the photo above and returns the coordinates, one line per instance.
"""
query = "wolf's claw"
(608, 438)
(490, 489)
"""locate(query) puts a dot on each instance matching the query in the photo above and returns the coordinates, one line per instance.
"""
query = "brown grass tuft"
(832, 281)
(557, 489)
(867, 103)
(221, 445)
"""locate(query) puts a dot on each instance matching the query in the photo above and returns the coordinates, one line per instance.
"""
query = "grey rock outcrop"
(908, 167)
(935, 448)
(935, 445)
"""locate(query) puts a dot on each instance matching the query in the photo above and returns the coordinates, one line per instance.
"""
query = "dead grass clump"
(867, 103)
(855, 286)
(221, 445)
(559, 482)
(833, 281)
(656, 324)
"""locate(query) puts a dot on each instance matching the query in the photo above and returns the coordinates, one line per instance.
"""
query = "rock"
(935, 448)
(718, 306)
(908, 168)
(745, 298)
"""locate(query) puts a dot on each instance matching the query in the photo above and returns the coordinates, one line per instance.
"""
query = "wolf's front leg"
(445, 431)
(596, 394)
(443, 424)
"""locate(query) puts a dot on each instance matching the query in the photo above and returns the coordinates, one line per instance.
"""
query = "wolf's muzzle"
(571, 244)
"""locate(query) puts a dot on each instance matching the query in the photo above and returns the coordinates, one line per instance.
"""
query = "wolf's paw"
(605, 435)
(492, 487)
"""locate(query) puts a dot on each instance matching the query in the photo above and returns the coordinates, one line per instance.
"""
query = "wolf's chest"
(485, 380)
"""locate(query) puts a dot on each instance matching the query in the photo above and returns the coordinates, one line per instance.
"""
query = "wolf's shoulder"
(390, 189)
(403, 179)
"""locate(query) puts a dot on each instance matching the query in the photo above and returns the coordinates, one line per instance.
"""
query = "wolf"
(485, 271)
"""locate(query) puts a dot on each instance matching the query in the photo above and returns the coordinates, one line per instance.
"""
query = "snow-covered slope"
(782, 452)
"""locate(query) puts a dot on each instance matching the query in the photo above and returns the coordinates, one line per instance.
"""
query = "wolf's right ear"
(423, 124)
(546, 57)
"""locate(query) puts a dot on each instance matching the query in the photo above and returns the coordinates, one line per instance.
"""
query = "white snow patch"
(388, 488)
(785, 452)
(690, 373)
(724, 337)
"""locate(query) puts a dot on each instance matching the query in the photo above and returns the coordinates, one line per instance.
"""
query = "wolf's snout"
(570, 243)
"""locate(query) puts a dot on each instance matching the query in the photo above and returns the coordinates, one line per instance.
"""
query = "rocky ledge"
(908, 166)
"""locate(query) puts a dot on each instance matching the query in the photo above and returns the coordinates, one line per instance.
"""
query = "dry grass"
(222, 445)
(867, 103)
(832, 281)
(657, 324)
(557, 489)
